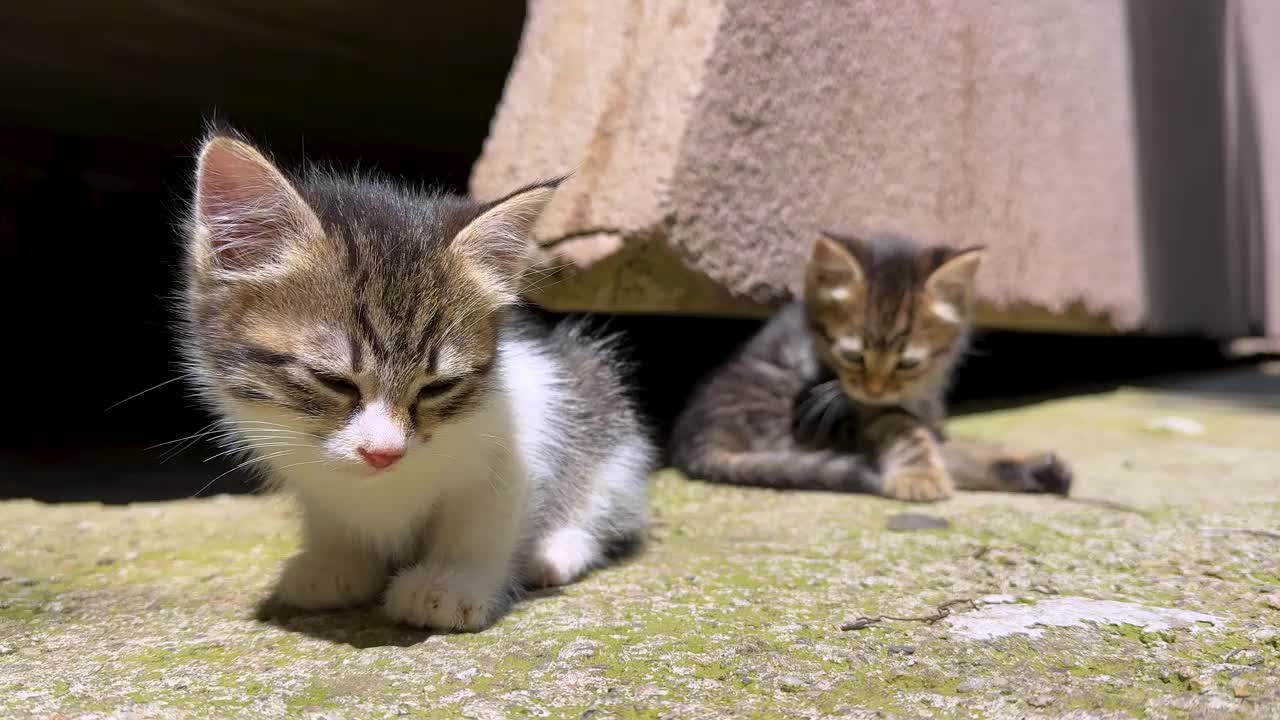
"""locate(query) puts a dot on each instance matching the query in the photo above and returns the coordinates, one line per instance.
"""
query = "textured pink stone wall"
(721, 135)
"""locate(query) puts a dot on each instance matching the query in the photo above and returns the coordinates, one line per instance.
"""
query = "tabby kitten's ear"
(247, 213)
(499, 243)
(834, 273)
(951, 285)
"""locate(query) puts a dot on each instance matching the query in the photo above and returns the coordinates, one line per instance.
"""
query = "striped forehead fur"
(896, 271)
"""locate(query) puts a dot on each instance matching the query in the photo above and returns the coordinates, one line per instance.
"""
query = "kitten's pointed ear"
(500, 241)
(247, 213)
(834, 272)
(952, 285)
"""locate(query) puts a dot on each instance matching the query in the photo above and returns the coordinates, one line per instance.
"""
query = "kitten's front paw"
(918, 484)
(324, 581)
(1042, 473)
(441, 599)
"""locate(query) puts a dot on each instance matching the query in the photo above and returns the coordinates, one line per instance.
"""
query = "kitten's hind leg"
(612, 512)
(562, 557)
(794, 469)
(978, 465)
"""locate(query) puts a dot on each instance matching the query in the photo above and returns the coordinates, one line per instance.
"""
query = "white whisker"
(237, 467)
(157, 386)
(255, 447)
(307, 462)
(197, 434)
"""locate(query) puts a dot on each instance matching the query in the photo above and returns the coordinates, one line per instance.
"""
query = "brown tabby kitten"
(844, 389)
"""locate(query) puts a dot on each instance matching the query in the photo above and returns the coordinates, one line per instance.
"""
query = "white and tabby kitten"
(365, 342)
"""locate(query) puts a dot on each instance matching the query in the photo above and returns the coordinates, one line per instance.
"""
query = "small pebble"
(997, 600)
(902, 650)
(1175, 425)
(1040, 701)
(103, 561)
(6, 649)
(1191, 677)
(905, 522)
(1240, 689)
(24, 582)
(1245, 657)
(791, 684)
(971, 685)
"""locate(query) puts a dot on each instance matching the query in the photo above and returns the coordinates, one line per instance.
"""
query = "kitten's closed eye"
(850, 355)
(438, 387)
(913, 357)
(335, 383)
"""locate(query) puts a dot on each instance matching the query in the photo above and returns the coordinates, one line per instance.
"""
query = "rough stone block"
(716, 138)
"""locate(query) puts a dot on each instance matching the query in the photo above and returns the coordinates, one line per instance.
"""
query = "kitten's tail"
(785, 469)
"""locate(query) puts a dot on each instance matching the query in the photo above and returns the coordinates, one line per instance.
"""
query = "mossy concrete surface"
(735, 609)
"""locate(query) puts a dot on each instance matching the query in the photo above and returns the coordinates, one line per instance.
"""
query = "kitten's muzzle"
(864, 394)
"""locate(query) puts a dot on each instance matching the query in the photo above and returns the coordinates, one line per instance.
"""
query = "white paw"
(562, 557)
(322, 581)
(442, 599)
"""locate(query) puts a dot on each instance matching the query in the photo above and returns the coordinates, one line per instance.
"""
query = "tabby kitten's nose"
(380, 458)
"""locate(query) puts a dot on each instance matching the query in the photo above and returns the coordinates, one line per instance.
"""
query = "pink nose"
(382, 457)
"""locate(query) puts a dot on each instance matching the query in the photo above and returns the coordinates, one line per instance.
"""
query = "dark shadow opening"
(103, 106)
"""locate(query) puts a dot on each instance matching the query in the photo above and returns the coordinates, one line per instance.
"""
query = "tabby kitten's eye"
(852, 357)
(436, 388)
(908, 363)
(336, 383)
